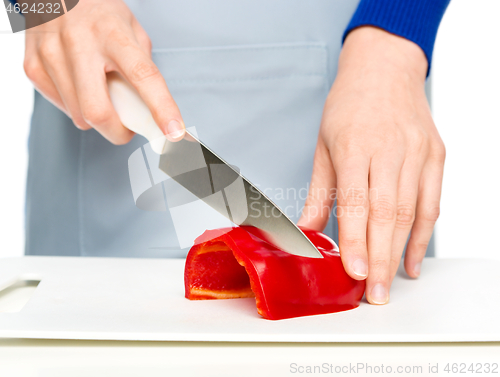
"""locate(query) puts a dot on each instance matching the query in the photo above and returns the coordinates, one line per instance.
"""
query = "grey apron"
(250, 75)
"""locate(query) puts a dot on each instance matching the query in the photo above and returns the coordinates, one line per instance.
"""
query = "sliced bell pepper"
(234, 263)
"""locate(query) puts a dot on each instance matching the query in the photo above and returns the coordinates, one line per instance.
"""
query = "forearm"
(372, 51)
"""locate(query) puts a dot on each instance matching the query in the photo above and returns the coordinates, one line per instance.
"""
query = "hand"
(380, 155)
(67, 60)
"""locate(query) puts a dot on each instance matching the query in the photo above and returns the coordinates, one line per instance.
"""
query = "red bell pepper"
(234, 263)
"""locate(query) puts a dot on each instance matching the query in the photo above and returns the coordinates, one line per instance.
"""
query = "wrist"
(371, 50)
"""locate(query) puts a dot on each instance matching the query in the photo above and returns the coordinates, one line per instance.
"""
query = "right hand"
(67, 60)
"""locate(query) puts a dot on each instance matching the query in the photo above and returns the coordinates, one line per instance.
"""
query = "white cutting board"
(143, 299)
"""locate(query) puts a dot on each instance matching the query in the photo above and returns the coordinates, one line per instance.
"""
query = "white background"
(465, 100)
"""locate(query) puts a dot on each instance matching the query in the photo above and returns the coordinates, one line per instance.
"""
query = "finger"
(93, 98)
(321, 195)
(352, 212)
(142, 38)
(384, 178)
(35, 71)
(138, 69)
(405, 210)
(56, 65)
(427, 214)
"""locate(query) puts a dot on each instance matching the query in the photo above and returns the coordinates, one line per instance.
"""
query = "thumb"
(321, 195)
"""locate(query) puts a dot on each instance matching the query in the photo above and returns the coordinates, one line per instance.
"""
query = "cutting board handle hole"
(16, 295)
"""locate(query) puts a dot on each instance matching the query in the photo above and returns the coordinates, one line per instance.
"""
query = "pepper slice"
(234, 264)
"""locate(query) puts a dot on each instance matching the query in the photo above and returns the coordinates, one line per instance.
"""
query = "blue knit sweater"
(415, 20)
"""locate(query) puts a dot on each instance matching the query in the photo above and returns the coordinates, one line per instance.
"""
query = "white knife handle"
(133, 112)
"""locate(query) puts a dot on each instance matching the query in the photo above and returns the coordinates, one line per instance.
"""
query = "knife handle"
(133, 112)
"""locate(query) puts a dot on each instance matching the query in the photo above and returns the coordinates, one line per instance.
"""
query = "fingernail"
(175, 129)
(359, 267)
(416, 269)
(379, 294)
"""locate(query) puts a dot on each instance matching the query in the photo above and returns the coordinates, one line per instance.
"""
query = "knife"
(207, 176)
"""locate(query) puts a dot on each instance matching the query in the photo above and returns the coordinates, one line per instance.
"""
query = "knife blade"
(202, 172)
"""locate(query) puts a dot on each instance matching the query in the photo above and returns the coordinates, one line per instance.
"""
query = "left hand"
(380, 155)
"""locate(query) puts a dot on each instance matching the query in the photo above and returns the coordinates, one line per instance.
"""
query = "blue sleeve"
(415, 20)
